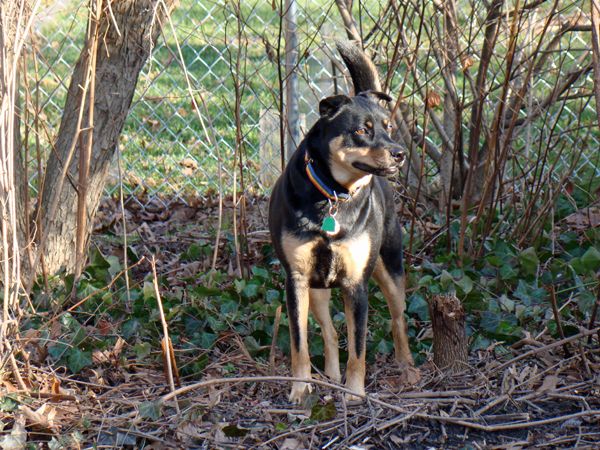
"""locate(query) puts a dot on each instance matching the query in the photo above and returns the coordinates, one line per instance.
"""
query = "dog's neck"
(352, 182)
(320, 176)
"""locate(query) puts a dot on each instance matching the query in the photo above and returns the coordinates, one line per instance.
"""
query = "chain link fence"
(231, 59)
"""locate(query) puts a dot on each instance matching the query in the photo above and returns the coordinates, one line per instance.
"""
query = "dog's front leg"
(298, 301)
(356, 308)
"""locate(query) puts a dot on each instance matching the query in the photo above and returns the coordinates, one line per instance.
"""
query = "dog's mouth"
(380, 171)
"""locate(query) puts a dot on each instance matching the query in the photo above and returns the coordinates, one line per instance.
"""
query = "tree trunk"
(450, 170)
(595, 7)
(450, 349)
(126, 41)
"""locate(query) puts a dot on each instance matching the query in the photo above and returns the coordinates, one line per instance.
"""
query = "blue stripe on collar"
(331, 194)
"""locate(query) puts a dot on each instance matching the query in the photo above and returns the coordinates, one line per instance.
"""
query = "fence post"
(291, 79)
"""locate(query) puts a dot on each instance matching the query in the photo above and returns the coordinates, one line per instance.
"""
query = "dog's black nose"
(397, 153)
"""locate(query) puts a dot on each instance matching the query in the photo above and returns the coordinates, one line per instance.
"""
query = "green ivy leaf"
(323, 413)
(234, 431)
(8, 404)
(508, 272)
(193, 253)
(385, 347)
(239, 285)
(229, 307)
(207, 340)
(465, 283)
(252, 345)
(78, 359)
(142, 350)
(529, 261)
(480, 343)
(494, 260)
(585, 301)
(272, 295)
(260, 272)
(250, 290)
(150, 410)
(498, 323)
(148, 290)
(507, 303)
(130, 328)
(418, 305)
(425, 280)
(58, 350)
(115, 266)
(591, 259)
(446, 279)
(203, 291)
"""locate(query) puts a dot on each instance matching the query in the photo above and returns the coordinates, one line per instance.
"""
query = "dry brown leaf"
(17, 438)
(584, 218)
(55, 330)
(55, 388)
(9, 386)
(43, 417)
(187, 432)
(549, 384)
(433, 99)
(187, 171)
(101, 356)
(409, 376)
(189, 163)
(118, 349)
(291, 444)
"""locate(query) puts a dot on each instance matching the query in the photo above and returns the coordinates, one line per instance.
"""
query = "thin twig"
(546, 347)
(274, 340)
(509, 426)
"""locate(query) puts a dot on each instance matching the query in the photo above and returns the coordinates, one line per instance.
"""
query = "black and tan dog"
(333, 224)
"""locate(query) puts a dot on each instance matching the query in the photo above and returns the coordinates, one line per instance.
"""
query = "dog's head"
(355, 133)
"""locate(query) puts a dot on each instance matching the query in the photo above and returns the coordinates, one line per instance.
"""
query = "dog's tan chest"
(328, 262)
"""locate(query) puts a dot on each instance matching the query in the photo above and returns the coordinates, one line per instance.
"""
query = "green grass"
(162, 129)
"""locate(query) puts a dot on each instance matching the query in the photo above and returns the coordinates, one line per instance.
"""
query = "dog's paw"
(353, 399)
(358, 390)
(299, 391)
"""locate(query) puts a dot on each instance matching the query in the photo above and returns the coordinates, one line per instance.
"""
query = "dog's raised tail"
(362, 70)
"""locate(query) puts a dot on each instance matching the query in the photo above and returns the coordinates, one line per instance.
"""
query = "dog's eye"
(389, 127)
(361, 131)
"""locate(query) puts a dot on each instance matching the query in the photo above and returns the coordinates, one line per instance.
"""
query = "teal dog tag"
(329, 224)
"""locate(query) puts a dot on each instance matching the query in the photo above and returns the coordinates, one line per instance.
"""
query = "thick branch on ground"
(450, 349)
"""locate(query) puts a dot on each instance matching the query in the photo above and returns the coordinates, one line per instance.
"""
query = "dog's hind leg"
(297, 305)
(319, 305)
(391, 280)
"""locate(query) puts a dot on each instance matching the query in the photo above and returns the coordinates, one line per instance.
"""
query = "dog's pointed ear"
(330, 105)
(376, 96)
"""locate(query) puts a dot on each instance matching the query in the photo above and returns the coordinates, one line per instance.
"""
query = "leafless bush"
(491, 104)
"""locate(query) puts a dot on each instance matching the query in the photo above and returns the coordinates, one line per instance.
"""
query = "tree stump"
(450, 349)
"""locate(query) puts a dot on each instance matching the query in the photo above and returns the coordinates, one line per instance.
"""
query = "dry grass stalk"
(276, 323)
(85, 155)
(171, 366)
